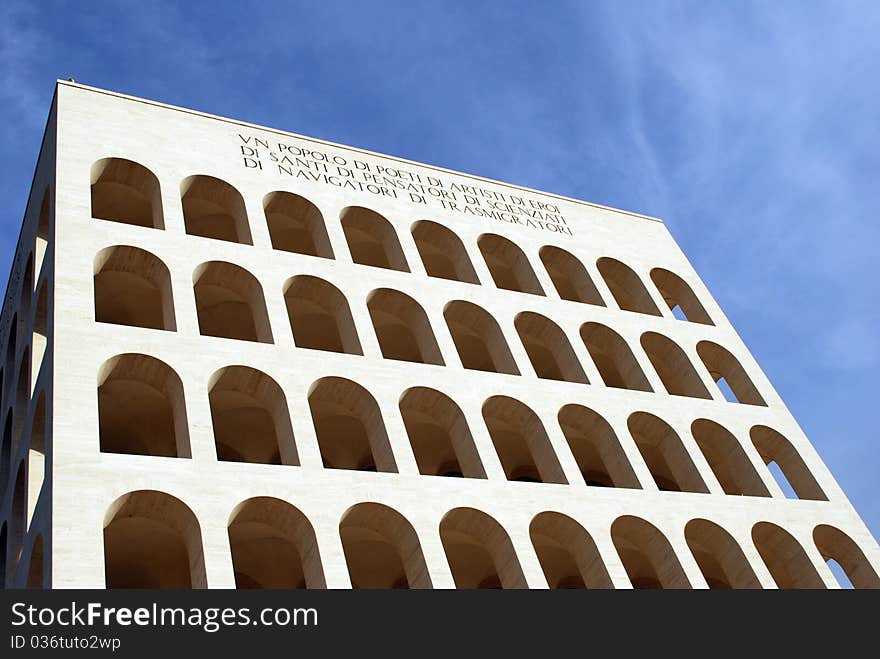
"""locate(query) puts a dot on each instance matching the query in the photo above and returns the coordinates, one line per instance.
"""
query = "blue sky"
(751, 128)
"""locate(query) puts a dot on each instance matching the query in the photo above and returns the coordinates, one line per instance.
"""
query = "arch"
(626, 287)
(273, 545)
(677, 293)
(296, 225)
(443, 254)
(214, 209)
(133, 287)
(521, 442)
(479, 551)
(6, 454)
(36, 457)
(141, 408)
(382, 549)
(38, 337)
(27, 288)
(478, 339)
(568, 555)
(673, 366)
(722, 364)
(596, 448)
(508, 265)
(250, 417)
(41, 241)
(613, 358)
(664, 454)
(548, 348)
(735, 472)
(17, 519)
(784, 557)
(372, 239)
(22, 395)
(125, 191)
(439, 435)
(152, 540)
(835, 545)
(3, 540)
(773, 447)
(319, 315)
(402, 328)
(719, 556)
(349, 427)
(648, 558)
(35, 577)
(230, 303)
(569, 276)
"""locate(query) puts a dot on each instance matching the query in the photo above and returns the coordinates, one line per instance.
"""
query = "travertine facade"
(241, 357)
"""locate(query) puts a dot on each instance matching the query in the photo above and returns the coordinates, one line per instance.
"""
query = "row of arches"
(133, 287)
(125, 191)
(142, 411)
(153, 540)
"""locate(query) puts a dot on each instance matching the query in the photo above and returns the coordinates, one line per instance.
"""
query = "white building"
(239, 356)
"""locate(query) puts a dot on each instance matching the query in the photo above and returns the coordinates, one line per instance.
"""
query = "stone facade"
(236, 356)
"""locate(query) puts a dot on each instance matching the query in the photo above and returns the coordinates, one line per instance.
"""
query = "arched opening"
(296, 225)
(521, 442)
(567, 553)
(11, 341)
(38, 337)
(673, 366)
(214, 209)
(371, 239)
(273, 545)
(402, 328)
(728, 459)
(6, 456)
(382, 549)
(44, 226)
(596, 448)
(719, 556)
(647, 556)
(479, 551)
(439, 435)
(152, 540)
(36, 457)
(784, 557)
(27, 288)
(615, 361)
(319, 315)
(18, 519)
(626, 286)
(141, 408)
(664, 454)
(837, 546)
(133, 287)
(774, 448)
(508, 265)
(478, 339)
(22, 398)
(349, 427)
(3, 539)
(124, 191)
(35, 569)
(443, 254)
(250, 417)
(721, 364)
(677, 294)
(548, 349)
(230, 303)
(569, 276)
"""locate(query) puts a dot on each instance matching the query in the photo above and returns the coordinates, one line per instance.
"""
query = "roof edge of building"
(207, 115)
